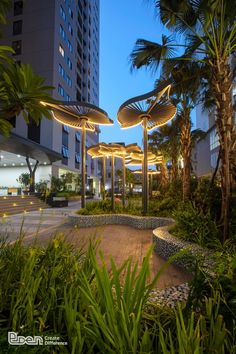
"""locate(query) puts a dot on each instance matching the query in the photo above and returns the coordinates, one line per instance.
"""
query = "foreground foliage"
(60, 291)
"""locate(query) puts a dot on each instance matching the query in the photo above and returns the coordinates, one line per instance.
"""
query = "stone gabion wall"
(138, 222)
(167, 245)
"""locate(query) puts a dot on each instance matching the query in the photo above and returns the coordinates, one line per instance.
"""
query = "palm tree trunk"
(174, 161)
(186, 151)
(164, 174)
(222, 90)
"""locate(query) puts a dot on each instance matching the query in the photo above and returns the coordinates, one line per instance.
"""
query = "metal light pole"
(112, 182)
(145, 167)
(104, 177)
(83, 160)
(123, 181)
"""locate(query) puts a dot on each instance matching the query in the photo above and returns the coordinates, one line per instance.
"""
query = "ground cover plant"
(58, 290)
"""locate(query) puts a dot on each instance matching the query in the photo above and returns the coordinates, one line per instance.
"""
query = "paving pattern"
(117, 241)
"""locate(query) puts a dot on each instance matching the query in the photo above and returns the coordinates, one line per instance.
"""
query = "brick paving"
(121, 242)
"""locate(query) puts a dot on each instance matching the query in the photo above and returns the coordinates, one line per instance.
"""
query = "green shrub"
(194, 225)
(162, 207)
(100, 207)
(207, 197)
(67, 194)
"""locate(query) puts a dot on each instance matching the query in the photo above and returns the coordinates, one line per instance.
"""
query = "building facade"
(206, 150)
(60, 40)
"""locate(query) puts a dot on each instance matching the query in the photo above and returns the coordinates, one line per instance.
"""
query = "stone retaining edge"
(166, 245)
(138, 222)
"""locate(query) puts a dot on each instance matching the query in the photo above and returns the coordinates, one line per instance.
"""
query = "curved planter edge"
(138, 222)
(166, 245)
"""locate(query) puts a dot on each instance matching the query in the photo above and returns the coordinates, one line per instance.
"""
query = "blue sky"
(121, 24)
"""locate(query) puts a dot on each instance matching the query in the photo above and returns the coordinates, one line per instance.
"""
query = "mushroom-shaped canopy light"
(114, 150)
(103, 150)
(136, 159)
(84, 116)
(150, 172)
(151, 110)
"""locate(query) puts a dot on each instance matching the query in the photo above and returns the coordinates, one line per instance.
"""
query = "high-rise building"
(60, 40)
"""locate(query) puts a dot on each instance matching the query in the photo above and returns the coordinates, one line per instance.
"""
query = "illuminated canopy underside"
(150, 172)
(113, 149)
(73, 114)
(154, 105)
(136, 159)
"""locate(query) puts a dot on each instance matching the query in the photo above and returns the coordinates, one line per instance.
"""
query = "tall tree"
(166, 140)
(210, 38)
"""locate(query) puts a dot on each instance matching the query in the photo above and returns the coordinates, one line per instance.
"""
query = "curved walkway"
(118, 241)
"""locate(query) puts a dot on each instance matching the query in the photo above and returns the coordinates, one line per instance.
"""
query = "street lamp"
(151, 110)
(83, 116)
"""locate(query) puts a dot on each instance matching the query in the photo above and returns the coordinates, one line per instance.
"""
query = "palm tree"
(210, 38)
(22, 91)
(166, 140)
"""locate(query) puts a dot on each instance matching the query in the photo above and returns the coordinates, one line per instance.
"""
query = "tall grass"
(62, 291)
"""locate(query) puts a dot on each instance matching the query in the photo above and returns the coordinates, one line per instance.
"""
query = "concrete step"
(20, 203)
(11, 205)
(21, 210)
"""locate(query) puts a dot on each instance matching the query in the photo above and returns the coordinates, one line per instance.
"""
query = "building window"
(34, 131)
(66, 129)
(16, 45)
(68, 98)
(61, 71)
(77, 160)
(77, 142)
(214, 158)
(77, 157)
(77, 136)
(18, 8)
(62, 32)
(17, 27)
(69, 81)
(70, 46)
(63, 14)
(70, 12)
(78, 96)
(69, 63)
(61, 90)
(70, 29)
(61, 50)
(65, 154)
(214, 139)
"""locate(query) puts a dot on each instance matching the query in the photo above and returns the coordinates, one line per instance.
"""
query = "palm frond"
(150, 54)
